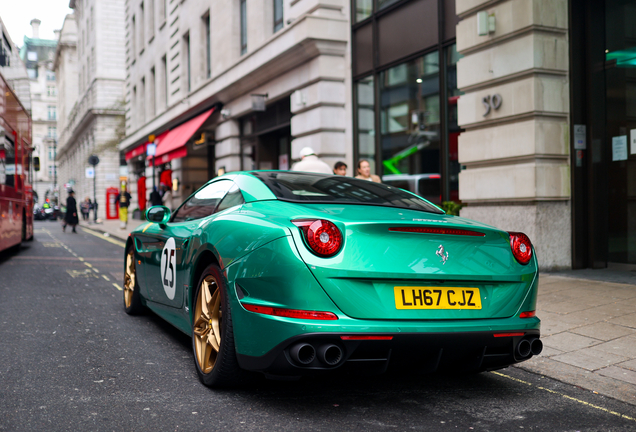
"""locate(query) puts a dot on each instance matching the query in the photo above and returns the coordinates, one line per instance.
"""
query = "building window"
(453, 129)
(410, 122)
(52, 133)
(365, 103)
(278, 15)
(51, 153)
(163, 8)
(142, 102)
(52, 112)
(151, 19)
(152, 109)
(52, 171)
(243, 27)
(164, 77)
(32, 56)
(133, 38)
(142, 33)
(186, 60)
(208, 45)
(133, 107)
(385, 3)
(51, 91)
(364, 9)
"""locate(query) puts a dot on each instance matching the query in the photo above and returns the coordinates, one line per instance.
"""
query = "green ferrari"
(291, 274)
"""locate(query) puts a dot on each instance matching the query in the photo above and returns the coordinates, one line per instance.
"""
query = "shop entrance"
(266, 138)
(603, 117)
(620, 90)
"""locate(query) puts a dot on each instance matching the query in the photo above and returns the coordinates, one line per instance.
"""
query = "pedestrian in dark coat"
(71, 212)
(155, 197)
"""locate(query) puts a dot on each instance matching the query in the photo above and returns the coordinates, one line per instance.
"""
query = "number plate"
(436, 298)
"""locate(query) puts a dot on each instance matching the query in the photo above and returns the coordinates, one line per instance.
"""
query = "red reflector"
(508, 334)
(528, 314)
(290, 313)
(426, 230)
(366, 337)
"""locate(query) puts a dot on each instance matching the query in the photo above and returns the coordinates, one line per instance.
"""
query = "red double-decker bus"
(16, 192)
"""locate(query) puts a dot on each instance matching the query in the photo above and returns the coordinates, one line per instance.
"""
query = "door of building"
(620, 94)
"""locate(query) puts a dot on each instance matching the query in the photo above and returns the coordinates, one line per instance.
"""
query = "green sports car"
(291, 273)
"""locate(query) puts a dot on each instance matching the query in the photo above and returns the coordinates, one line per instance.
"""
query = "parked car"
(428, 186)
(38, 212)
(291, 274)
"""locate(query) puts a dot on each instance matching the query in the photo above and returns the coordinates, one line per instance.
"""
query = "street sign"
(151, 149)
(90, 172)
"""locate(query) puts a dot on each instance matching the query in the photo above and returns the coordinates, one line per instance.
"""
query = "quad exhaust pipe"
(305, 353)
(532, 346)
(536, 346)
(330, 354)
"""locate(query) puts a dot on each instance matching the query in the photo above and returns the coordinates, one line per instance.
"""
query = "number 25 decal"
(169, 267)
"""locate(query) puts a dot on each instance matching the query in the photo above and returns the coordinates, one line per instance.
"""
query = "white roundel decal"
(169, 267)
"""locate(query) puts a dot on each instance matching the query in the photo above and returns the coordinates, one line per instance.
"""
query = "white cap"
(306, 151)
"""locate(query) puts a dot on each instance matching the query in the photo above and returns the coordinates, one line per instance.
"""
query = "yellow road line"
(103, 237)
(118, 287)
(95, 270)
(80, 258)
(568, 397)
(106, 277)
(87, 264)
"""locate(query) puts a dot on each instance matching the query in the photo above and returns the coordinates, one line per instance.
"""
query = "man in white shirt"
(309, 162)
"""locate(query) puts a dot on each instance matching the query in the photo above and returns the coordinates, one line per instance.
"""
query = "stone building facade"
(38, 55)
(94, 122)
(184, 58)
(515, 114)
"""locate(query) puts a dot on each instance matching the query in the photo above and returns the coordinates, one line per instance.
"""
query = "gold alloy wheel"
(129, 279)
(207, 324)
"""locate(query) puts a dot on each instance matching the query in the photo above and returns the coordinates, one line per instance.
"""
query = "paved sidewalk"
(588, 327)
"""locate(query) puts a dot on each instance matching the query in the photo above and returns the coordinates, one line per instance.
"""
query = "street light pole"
(55, 169)
(94, 160)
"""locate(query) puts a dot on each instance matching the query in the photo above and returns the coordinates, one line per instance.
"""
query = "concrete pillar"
(320, 120)
(515, 148)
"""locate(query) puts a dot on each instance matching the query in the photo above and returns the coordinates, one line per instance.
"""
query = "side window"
(233, 198)
(204, 202)
(7, 163)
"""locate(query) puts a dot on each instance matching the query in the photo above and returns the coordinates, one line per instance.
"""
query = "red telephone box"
(111, 203)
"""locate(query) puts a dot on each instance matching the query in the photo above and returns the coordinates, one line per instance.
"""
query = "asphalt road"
(71, 359)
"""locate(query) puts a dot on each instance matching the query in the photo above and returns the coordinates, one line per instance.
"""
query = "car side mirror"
(158, 214)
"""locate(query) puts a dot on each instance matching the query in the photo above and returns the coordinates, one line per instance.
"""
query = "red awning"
(141, 148)
(172, 146)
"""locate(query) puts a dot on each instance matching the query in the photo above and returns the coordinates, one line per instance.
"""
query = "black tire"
(225, 371)
(131, 296)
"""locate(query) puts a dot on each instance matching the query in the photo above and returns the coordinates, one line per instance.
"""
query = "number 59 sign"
(169, 268)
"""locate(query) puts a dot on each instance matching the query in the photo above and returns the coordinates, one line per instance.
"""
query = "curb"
(104, 232)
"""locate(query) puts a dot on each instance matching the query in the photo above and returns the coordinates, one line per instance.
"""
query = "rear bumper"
(410, 353)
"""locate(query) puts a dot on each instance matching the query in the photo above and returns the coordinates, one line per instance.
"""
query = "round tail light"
(323, 237)
(521, 247)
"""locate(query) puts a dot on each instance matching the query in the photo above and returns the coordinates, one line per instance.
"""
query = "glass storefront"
(603, 116)
(406, 110)
(620, 90)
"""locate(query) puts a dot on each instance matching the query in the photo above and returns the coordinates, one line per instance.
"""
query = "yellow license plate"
(436, 298)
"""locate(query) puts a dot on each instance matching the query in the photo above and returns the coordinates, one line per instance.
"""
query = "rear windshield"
(321, 188)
